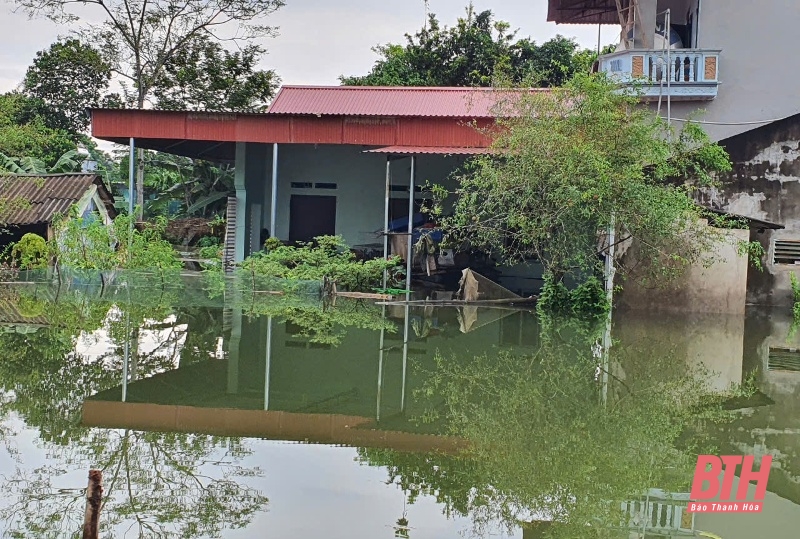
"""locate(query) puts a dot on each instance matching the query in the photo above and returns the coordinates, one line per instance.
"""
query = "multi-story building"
(729, 65)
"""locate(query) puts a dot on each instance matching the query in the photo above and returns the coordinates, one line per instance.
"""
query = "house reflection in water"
(277, 382)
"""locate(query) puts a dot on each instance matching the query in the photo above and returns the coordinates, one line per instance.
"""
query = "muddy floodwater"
(268, 416)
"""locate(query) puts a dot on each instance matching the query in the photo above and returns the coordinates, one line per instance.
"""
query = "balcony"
(694, 75)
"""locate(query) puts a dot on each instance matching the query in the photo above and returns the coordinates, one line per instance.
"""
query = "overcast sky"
(319, 39)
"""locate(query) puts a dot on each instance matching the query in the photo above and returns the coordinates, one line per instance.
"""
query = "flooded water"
(264, 415)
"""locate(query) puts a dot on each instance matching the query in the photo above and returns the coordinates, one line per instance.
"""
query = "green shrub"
(587, 300)
(30, 252)
(326, 256)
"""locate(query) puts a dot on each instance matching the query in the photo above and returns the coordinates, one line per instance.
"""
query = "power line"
(756, 122)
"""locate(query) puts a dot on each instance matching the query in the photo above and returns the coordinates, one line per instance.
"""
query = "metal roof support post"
(273, 209)
(131, 189)
(127, 351)
(610, 270)
(268, 362)
(381, 344)
(410, 226)
(131, 178)
(386, 221)
(405, 358)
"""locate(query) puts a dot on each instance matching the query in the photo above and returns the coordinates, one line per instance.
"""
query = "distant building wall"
(720, 288)
(765, 184)
(759, 41)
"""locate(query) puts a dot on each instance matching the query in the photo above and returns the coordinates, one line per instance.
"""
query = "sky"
(319, 40)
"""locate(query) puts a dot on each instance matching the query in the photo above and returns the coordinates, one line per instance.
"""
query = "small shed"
(29, 203)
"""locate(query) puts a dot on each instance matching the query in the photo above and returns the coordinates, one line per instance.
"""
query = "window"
(784, 359)
(786, 252)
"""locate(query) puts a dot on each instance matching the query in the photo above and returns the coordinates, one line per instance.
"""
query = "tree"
(475, 52)
(205, 76)
(68, 78)
(141, 37)
(568, 164)
(25, 132)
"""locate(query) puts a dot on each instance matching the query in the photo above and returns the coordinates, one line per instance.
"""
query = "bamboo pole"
(94, 498)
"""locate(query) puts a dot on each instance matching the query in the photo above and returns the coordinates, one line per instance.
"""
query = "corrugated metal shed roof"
(389, 101)
(32, 199)
(584, 11)
(437, 150)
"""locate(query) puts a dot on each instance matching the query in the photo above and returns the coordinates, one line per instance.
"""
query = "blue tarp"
(401, 224)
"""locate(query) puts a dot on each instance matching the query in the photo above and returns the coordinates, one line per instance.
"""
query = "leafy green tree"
(25, 131)
(140, 38)
(68, 78)
(475, 52)
(86, 243)
(205, 76)
(70, 161)
(570, 163)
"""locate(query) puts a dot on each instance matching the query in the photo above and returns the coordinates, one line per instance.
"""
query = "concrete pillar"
(645, 29)
(234, 346)
(240, 246)
(253, 166)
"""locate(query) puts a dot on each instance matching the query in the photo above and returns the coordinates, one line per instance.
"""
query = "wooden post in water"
(94, 498)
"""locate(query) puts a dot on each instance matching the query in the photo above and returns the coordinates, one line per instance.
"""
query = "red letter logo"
(761, 477)
(701, 475)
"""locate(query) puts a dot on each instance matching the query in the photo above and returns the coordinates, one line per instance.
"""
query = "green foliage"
(88, 244)
(475, 52)
(26, 136)
(67, 162)
(210, 247)
(568, 164)
(795, 297)
(199, 186)
(587, 300)
(30, 252)
(326, 256)
(68, 78)
(204, 76)
(754, 252)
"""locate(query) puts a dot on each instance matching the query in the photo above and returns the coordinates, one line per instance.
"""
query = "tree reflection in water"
(156, 484)
(550, 448)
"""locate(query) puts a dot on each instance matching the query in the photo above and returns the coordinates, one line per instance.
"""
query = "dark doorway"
(311, 216)
(398, 207)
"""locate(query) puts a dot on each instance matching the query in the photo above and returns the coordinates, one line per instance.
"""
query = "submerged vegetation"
(327, 257)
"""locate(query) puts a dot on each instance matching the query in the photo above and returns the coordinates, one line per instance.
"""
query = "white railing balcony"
(683, 74)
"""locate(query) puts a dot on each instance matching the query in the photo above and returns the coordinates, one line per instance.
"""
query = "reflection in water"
(491, 415)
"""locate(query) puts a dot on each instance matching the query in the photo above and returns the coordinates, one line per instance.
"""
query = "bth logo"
(708, 470)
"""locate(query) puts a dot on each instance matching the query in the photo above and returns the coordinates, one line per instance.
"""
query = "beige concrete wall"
(720, 288)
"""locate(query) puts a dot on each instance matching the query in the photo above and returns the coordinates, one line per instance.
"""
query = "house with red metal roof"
(324, 160)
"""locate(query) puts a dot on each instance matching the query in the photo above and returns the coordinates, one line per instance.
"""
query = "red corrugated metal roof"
(389, 101)
(31, 199)
(437, 150)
